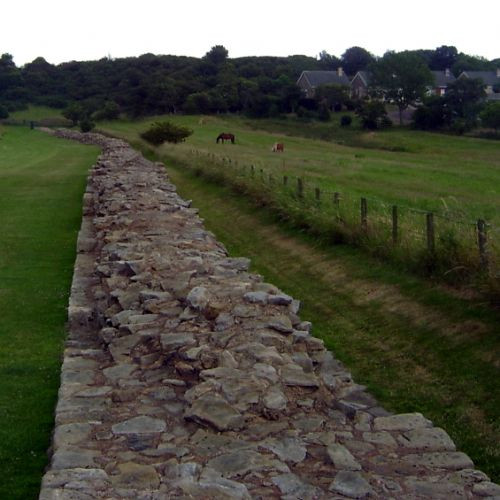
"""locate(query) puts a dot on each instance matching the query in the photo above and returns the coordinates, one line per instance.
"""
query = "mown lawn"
(42, 180)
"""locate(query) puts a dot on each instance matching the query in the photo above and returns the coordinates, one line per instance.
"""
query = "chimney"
(340, 71)
(447, 72)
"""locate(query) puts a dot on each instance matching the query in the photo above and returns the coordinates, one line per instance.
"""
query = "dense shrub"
(86, 125)
(4, 113)
(345, 121)
(110, 111)
(161, 132)
(323, 113)
(373, 115)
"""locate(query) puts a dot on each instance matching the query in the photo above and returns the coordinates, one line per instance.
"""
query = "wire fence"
(443, 242)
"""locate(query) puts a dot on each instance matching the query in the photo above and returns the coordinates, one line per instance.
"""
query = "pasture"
(42, 180)
(400, 166)
(456, 178)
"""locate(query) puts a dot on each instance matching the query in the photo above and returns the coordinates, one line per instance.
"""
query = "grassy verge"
(42, 180)
(416, 346)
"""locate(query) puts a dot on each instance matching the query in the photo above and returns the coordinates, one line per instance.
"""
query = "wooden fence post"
(285, 180)
(262, 174)
(271, 179)
(364, 215)
(395, 235)
(482, 241)
(336, 203)
(252, 171)
(430, 232)
(300, 188)
(317, 194)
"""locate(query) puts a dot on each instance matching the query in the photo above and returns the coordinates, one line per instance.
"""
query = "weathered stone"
(70, 477)
(214, 410)
(293, 487)
(431, 439)
(402, 422)
(280, 299)
(434, 489)
(287, 449)
(280, 323)
(173, 341)
(447, 460)
(382, 438)
(139, 425)
(136, 476)
(274, 399)
(293, 374)
(342, 458)
(198, 298)
(117, 372)
(73, 457)
(486, 489)
(255, 298)
(70, 434)
(351, 484)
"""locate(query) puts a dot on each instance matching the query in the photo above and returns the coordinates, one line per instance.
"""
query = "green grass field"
(457, 178)
(426, 171)
(42, 180)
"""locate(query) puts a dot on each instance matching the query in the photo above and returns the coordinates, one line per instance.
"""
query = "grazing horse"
(278, 147)
(225, 137)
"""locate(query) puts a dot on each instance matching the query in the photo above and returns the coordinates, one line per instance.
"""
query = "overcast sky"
(65, 30)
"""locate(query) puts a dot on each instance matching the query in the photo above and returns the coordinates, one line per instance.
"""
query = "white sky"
(64, 30)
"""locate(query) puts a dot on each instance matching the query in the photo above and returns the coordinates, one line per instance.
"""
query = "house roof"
(364, 75)
(488, 77)
(317, 78)
(441, 79)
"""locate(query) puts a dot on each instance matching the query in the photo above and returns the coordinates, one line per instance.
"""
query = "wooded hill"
(157, 84)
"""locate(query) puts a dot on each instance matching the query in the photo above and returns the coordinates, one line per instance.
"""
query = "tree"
(444, 57)
(328, 62)
(373, 115)
(333, 96)
(356, 59)
(402, 78)
(161, 132)
(75, 112)
(490, 116)
(216, 55)
(431, 115)
(465, 62)
(463, 98)
(110, 111)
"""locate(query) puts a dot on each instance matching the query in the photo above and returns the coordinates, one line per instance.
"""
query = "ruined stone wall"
(187, 376)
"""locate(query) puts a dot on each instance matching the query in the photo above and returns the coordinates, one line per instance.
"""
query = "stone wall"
(187, 376)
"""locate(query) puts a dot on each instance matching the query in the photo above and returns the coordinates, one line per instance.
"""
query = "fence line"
(373, 212)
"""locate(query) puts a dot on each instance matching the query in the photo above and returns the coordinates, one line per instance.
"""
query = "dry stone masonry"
(186, 376)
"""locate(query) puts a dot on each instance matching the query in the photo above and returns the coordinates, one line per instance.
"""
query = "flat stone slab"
(351, 484)
(139, 425)
(215, 411)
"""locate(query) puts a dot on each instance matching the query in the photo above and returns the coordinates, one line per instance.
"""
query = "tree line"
(157, 84)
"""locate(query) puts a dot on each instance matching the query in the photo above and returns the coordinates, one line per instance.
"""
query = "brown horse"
(278, 147)
(225, 137)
